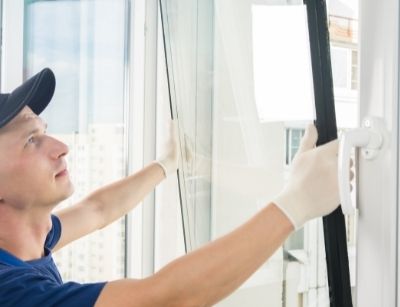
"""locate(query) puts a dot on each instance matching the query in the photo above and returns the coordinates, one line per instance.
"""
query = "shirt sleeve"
(22, 287)
(54, 234)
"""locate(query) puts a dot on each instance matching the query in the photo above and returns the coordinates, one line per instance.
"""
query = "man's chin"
(66, 194)
(70, 191)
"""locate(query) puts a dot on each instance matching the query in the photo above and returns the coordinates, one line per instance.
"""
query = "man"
(34, 179)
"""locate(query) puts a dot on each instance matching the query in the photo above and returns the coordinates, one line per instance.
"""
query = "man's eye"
(31, 140)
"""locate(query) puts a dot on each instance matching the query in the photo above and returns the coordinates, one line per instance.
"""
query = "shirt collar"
(9, 259)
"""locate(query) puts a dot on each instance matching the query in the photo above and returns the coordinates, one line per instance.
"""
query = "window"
(84, 42)
(241, 86)
(345, 70)
(230, 70)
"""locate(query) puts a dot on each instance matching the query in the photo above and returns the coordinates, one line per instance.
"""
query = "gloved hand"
(168, 159)
(312, 189)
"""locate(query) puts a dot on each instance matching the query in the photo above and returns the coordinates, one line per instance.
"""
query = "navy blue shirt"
(38, 282)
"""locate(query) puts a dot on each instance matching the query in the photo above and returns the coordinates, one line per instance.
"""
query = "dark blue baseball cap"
(36, 93)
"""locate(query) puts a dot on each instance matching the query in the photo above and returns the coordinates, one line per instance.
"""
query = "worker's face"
(32, 164)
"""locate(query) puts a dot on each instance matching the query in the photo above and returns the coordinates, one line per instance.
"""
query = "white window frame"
(377, 243)
(142, 125)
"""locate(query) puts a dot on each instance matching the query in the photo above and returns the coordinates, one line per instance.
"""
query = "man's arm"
(107, 204)
(208, 274)
(113, 201)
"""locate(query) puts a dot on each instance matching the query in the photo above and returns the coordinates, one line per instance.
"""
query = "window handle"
(369, 139)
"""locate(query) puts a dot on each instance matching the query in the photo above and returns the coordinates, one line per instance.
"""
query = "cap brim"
(36, 93)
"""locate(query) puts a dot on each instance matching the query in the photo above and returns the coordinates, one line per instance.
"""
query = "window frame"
(378, 238)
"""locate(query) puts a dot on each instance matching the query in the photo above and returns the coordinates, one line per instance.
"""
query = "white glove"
(312, 189)
(168, 159)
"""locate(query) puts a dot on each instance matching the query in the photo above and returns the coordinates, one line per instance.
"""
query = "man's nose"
(58, 149)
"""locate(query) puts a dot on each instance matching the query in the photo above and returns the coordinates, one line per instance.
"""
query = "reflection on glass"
(282, 60)
(84, 43)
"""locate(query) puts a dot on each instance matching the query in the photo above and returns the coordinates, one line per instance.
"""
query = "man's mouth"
(62, 173)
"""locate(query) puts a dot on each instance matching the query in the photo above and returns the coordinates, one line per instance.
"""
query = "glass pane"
(241, 88)
(340, 71)
(84, 43)
(343, 28)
